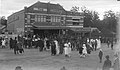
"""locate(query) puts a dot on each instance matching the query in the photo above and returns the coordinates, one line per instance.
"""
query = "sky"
(7, 7)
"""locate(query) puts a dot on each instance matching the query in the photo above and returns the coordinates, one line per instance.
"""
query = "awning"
(84, 29)
(50, 27)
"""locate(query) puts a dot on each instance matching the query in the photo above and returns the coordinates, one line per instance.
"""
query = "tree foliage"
(110, 20)
(91, 18)
(74, 9)
(3, 21)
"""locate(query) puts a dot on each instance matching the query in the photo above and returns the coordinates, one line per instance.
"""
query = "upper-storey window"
(40, 9)
(32, 16)
(28, 16)
(41, 18)
(75, 23)
(55, 19)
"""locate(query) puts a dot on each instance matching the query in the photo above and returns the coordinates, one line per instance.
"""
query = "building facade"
(43, 16)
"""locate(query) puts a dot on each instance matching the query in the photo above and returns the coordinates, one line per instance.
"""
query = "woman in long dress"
(3, 43)
(66, 50)
(84, 50)
(57, 47)
(98, 44)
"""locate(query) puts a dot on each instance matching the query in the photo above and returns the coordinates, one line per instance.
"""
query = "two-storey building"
(44, 17)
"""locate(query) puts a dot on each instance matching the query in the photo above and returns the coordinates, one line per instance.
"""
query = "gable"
(45, 8)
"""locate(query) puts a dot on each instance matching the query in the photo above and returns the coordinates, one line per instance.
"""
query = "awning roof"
(84, 29)
(50, 27)
(73, 28)
(81, 29)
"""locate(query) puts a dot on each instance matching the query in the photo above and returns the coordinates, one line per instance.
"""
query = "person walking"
(3, 43)
(80, 50)
(116, 63)
(107, 64)
(84, 51)
(112, 45)
(108, 43)
(15, 46)
(20, 47)
(57, 47)
(53, 48)
(11, 43)
(100, 55)
(41, 45)
(66, 50)
(95, 44)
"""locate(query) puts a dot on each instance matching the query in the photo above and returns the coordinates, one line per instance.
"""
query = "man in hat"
(107, 63)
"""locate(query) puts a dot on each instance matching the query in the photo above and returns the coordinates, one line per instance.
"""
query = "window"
(75, 23)
(35, 8)
(76, 19)
(41, 18)
(59, 19)
(38, 18)
(48, 18)
(68, 18)
(32, 16)
(44, 9)
(25, 15)
(28, 21)
(25, 21)
(62, 18)
(32, 21)
(44, 18)
(28, 16)
(55, 19)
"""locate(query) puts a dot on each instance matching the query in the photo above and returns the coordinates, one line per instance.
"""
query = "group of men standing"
(16, 45)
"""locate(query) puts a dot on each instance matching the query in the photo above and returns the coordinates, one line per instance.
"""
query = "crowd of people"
(57, 44)
(63, 44)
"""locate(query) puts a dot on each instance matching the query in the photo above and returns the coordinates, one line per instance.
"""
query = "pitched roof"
(45, 6)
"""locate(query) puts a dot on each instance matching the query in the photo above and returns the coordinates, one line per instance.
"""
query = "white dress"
(3, 42)
(57, 47)
(66, 49)
(84, 50)
(98, 44)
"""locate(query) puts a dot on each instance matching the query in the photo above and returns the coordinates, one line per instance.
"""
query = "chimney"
(25, 9)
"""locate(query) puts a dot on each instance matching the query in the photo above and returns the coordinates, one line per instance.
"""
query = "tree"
(74, 9)
(3, 21)
(110, 20)
(91, 18)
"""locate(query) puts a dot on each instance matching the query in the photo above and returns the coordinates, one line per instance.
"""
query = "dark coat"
(11, 43)
(19, 45)
(107, 65)
(15, 44)
(40, 43)
(80, 50)
(100, 54)
(53, 48)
